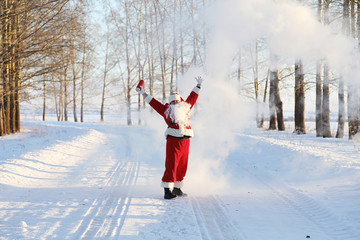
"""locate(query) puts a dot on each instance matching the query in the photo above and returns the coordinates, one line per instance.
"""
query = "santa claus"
(176, 114)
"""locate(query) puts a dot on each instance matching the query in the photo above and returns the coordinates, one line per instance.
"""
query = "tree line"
(51, 50)
(328, 12)
(34, 41)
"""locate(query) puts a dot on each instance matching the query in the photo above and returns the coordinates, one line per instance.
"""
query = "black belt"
(183, 137)
(171, 123)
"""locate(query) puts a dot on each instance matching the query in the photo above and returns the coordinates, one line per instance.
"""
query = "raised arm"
(155, 104)
(192, 98)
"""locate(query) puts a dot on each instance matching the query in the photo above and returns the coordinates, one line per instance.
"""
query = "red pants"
(177, 153)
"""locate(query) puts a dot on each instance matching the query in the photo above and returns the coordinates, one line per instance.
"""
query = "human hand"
(140, 90)
(199, 80)
(140, 87)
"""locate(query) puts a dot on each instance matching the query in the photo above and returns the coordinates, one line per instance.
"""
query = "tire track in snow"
(323, 218)
(328, 222)
(49, 170)
(106, 215)
(212, 220)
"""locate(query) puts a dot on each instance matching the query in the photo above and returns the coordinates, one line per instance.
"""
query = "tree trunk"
(74, 93)
(57, 105)
(44, 97)
(353, 112)
(83, 78)
(326, 84)
(272, 107)
(194, 38)
(326, 103)
(149, 49)
(354, 94)
(341, 96)
(161, 47)
(256, 85)
(341, 113)
(18, 63)
(128, 65)
(66, 95)
(61, 100)
(318, 101)
(104, 78)
(352, 20)
(6, 66)
(318, 113)
(182, 57)
(299, 98)
(278, 102)
(103, 100)
(74, 82)
(13, 66)
(141, 65)
(274, 100)
(173, 74)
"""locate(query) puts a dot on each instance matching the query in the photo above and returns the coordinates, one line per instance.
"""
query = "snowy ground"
(102, 181)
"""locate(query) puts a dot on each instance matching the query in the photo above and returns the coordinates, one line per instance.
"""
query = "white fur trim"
(148, 98)
(178, 184)
(167, 185)
(174, 97)
(177, 133)
(196, 90)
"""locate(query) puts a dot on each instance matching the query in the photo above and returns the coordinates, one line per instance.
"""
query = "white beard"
(179, 113)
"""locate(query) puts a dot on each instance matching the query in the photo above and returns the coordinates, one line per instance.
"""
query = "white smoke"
(291, 31)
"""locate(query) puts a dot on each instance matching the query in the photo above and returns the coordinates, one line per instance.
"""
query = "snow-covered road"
(101, 181)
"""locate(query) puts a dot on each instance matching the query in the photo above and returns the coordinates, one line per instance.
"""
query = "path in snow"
(285, 183)
(102, 182)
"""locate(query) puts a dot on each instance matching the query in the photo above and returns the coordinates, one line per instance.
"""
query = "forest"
(72, 56)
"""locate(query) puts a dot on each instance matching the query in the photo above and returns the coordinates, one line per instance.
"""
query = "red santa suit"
(178, 134)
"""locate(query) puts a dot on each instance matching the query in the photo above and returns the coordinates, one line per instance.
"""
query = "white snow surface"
(102, 181)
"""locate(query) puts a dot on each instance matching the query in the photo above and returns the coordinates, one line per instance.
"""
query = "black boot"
(168, 194)
(178, 192)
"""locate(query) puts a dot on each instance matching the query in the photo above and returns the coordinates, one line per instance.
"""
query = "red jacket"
(175, 128)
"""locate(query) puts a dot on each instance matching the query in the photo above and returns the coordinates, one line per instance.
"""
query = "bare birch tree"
(354, 92)
(256, 83)
(272, 106)
(341, 95)
(319, 67)
(326, 84)
(160, 34)
(275, 103)
(299, 98)
(105, 71)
